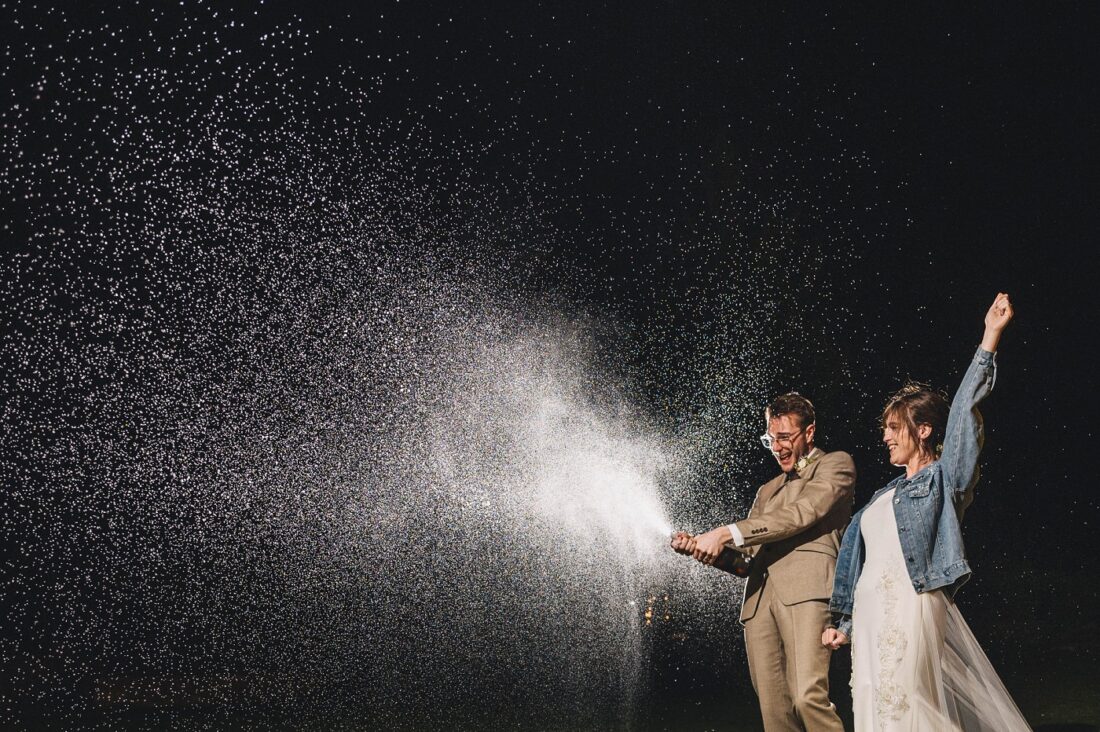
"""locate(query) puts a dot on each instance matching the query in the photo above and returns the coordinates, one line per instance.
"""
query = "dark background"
(977, 127)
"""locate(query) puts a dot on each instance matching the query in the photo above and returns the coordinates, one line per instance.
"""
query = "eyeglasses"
(767, 440)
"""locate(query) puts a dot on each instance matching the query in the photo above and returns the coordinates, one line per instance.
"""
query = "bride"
(915, 663)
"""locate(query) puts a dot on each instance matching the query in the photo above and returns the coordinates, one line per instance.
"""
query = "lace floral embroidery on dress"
(890, 697)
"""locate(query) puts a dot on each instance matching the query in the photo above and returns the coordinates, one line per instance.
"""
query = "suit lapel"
(793, 488)
(771, 488)
(766, 493)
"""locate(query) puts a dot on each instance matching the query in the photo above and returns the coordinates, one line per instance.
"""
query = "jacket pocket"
(828, 549)
(921, 489)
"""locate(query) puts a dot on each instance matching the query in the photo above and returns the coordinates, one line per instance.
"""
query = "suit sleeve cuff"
(738, 538)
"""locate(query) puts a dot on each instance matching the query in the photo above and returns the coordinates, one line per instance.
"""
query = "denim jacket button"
(897, 500)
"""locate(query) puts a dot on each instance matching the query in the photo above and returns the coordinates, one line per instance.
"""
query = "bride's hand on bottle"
(833, 638)
(1000, 312)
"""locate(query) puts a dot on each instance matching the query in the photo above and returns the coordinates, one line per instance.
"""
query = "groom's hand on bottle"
(683, 543)
(709, 545)
(833, 638)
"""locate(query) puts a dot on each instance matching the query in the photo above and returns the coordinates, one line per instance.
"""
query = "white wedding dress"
(915, 664)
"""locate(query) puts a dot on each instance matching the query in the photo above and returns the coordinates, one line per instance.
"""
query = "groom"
(792, 534)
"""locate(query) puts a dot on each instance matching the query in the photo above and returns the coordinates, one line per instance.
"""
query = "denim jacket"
(929, 506)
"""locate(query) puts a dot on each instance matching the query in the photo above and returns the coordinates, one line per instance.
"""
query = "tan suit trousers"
(793, 684)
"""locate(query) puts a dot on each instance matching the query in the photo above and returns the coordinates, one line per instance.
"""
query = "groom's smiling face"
(790, 440)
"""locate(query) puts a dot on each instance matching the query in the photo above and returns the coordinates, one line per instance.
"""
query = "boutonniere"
(804, 461)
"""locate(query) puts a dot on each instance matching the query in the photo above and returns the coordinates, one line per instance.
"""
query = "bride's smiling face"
(899, 441)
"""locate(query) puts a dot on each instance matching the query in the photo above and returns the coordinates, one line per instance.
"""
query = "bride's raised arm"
(964, 435)
(1000, 312)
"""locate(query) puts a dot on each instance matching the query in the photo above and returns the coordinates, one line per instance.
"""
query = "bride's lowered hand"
(833, 638)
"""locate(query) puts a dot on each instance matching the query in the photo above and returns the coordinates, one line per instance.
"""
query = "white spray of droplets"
(291, 434)
(538, 531)
(528, 416)
(288, 445)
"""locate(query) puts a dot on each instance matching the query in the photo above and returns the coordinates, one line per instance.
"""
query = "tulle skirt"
(917, 666)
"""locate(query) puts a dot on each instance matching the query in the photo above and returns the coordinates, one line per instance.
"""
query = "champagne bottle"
(734, 562)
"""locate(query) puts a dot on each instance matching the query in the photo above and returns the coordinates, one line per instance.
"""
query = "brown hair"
(918, 404)
(792, 403)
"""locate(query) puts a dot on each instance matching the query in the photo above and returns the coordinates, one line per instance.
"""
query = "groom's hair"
(792, 403)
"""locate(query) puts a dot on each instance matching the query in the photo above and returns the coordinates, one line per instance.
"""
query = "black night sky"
(818, 199)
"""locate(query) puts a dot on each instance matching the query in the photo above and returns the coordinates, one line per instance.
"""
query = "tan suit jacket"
(793, 531)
